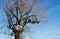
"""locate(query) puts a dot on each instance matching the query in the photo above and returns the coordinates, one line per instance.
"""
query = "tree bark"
(17, 36)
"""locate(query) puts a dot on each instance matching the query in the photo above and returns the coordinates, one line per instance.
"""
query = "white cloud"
(51, 34)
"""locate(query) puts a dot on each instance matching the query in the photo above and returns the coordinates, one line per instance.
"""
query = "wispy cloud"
(51, 34)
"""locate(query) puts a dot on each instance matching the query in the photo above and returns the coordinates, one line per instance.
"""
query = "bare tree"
(21, 12)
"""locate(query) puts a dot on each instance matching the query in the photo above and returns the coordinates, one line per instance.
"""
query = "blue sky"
(50, 30)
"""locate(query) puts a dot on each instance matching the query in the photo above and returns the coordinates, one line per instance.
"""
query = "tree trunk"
(17, 36)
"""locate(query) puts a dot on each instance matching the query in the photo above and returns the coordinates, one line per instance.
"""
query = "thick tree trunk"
(17, 36)
(17, 33)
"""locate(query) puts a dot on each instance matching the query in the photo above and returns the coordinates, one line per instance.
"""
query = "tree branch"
(29, 16)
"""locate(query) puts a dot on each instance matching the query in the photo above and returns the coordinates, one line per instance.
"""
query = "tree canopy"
(21, 12)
